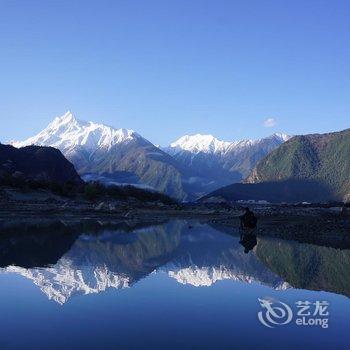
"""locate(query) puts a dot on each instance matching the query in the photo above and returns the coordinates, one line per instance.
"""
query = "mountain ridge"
(312, 168)
(102, 150)
(195, 165)
(208, 143)
(224, 162)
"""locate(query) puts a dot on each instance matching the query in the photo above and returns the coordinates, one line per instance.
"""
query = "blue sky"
(168, 68)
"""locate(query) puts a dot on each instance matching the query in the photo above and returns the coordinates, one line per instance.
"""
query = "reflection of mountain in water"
(199, 256)
(206, 256)
(307, 266)
(112, 259)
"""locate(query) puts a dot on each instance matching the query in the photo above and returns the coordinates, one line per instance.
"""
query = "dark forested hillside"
(36, 163)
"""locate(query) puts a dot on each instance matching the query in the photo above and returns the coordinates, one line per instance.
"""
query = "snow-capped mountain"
(68, 133)
(198, 143)
(111, 155)
(209, 144)
(189, 168)
(224, 162)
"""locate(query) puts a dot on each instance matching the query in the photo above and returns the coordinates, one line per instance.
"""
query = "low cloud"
(270, 122)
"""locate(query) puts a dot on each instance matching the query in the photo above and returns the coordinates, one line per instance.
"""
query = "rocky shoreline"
(317, 225)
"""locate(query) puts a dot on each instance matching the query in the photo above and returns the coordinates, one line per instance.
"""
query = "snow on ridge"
(67, 132)
(207, 276)
(209, 144)
(62, 281)
(282, 136)
(200, 143)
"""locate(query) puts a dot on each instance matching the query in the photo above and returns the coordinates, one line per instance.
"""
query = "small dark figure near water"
(248, 241)
(344, 212)
(248, 220)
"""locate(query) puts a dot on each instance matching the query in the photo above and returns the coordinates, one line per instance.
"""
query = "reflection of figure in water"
(248, 221)
(344, 211)
(248, 241)
(248, 225)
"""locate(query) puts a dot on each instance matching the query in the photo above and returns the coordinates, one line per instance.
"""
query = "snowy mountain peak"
(283, 137)
(67, 120)
(68, 117)
(199, 143)
(209, 144)
(67, 133)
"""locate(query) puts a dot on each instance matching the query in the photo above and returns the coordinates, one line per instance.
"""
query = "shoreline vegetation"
(97, 205)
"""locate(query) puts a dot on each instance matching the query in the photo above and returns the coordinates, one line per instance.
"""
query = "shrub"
(93, 190)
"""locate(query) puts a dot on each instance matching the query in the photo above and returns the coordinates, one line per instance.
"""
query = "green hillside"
(321, 158)
(305, 168)
(307, 266)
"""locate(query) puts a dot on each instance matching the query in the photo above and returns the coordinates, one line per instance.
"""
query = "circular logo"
(275, 313)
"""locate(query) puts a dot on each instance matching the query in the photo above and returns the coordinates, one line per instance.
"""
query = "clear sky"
(166, 68)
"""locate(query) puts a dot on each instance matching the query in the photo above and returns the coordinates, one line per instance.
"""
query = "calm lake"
(180, 285)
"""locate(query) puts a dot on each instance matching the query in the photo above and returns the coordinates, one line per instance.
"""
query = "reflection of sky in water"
(158, 311)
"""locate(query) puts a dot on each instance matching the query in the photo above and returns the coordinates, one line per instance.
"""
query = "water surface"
(178, 285)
